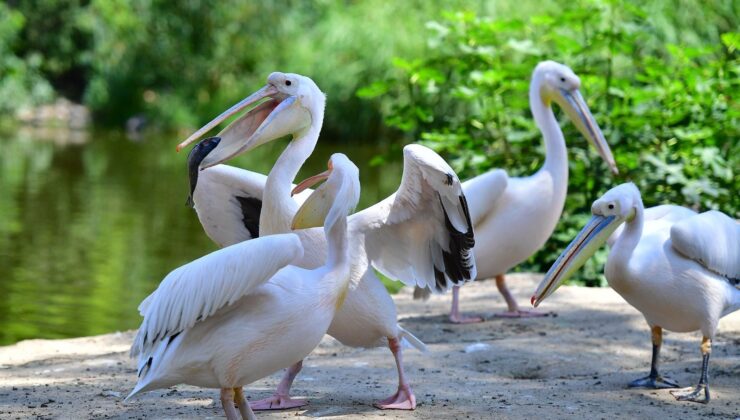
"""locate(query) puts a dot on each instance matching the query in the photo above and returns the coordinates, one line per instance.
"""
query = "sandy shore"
(572, 365)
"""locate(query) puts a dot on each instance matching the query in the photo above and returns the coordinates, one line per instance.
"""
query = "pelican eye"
(611, 206)
(288, 83)
(562, 79)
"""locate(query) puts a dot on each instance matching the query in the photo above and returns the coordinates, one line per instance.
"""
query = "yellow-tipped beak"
(585, 244)
(575, 106)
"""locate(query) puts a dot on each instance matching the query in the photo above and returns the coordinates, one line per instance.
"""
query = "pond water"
(91, 222)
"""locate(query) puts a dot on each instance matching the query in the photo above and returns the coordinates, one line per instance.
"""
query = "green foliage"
(21, 82)
(181, 63)
(665, 103)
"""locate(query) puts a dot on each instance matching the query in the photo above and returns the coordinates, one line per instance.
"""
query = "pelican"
(513, 217)
(679, 268)
(245, 311)
(422, 234)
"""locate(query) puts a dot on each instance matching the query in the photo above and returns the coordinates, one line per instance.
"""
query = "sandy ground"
(572, 365)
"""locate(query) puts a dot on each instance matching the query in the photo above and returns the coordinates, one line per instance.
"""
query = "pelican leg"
(404, 398)
(455, 316)
(695, 394)
(514, 311)
(654, 380)
(281, 399)
(241, 401)
(227, 401)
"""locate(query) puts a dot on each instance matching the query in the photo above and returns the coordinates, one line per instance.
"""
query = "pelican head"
(558, 83)
(288, 104)
(617, 206)
(334, 199)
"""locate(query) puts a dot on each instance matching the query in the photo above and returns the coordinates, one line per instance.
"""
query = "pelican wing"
(198, 289)
(484, 191)
(422, 234)
(712, 239)
(228, 202)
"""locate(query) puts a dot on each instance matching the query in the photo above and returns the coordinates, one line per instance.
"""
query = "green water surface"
(91, 222)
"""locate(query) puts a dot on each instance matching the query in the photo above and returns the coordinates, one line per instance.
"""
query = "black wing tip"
(459, 259)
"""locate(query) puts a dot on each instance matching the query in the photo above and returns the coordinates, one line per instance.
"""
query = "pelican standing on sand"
(513, 217)
(679, 268)
(422, 234)
(245, 311)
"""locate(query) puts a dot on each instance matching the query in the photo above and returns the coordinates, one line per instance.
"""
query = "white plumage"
(198, 289)
(421, 234)
(241, 313)
(514, 217)
(673, 265)
(412, 224)
(712, 239)
(219, 197)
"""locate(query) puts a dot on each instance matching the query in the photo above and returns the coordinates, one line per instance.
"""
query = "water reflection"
(91, 222)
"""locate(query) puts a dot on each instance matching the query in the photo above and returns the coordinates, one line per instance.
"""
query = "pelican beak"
(273, 118)
(575, 106)
(310, 181)
(585, 244)
(314, 210)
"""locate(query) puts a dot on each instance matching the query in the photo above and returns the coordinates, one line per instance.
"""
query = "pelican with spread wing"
(245, 311)
(421, 235)
(679, 268)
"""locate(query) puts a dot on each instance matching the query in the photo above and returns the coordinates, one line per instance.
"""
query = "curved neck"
(556, 155)
(629, 238)
(278, 207)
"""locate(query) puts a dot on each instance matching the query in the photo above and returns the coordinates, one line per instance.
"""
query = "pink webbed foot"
(403, 399)
(278, 402)
(521, 313)
(462, 319)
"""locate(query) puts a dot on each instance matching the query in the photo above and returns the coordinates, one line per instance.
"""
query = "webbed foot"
(653, 382)
(699, 394)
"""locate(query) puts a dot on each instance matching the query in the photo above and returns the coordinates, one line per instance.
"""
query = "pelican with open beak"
(679, 268)
(282, 107)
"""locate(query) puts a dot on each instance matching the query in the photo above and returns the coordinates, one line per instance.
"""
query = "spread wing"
(422, 234)
(198, 289)
(713, 240)
(228, 202)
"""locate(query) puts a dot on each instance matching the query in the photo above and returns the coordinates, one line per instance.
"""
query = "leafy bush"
(665, 104)
(181, 63)
(21, 82)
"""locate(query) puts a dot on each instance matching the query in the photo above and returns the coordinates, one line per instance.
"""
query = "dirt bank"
(573, 365)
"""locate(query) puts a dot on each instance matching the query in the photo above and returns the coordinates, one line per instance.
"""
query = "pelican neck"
(556, 154)
(629, 238)
(278, 207)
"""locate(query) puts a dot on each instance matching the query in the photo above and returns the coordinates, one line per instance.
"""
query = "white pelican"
(513, 217)
(244, 312)
(421, 235)
(679, 268)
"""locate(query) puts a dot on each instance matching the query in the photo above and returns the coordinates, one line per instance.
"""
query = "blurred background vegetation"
(661, 78)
